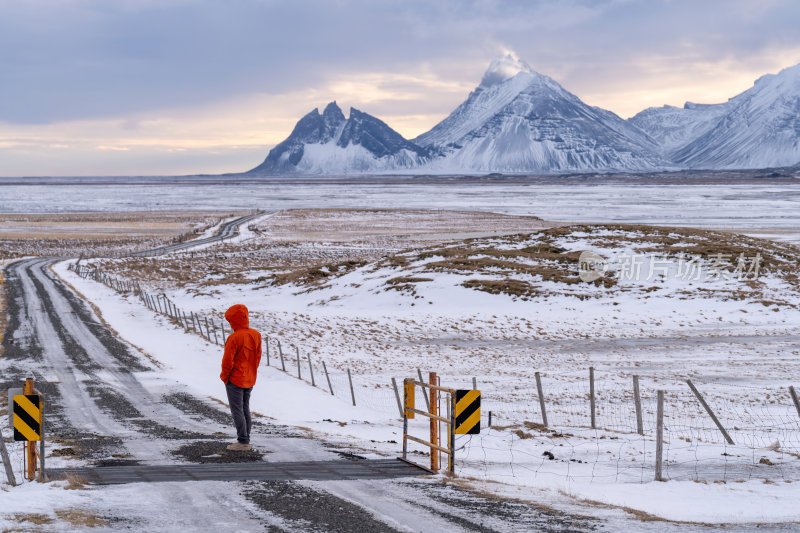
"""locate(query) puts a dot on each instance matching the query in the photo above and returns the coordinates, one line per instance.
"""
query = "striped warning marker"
(27, 417)
(468, 412)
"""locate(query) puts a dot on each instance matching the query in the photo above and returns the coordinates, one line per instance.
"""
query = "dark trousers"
(239, 400)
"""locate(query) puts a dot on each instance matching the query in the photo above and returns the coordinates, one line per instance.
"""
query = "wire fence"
(519, 440)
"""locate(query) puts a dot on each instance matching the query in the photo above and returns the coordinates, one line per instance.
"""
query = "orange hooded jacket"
(242, 350)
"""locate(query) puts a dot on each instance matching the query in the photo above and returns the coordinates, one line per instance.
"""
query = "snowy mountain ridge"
(520, 121)
(329, 143)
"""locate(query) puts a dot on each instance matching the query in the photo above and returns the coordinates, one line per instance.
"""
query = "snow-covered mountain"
(518, 120)
(760, 128)
(329, 143)
(756, 129)
(674, 127)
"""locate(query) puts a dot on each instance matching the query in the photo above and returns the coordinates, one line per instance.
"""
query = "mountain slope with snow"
(518, 120)
(329, 143)
(760, 128)
(672, 128)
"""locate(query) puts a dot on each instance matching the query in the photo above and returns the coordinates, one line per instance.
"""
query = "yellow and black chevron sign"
(27, 417)
(468, 412)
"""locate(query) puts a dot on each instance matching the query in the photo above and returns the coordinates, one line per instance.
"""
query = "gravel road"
(227, 230)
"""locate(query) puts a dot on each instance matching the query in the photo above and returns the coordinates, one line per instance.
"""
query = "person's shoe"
(239, 447)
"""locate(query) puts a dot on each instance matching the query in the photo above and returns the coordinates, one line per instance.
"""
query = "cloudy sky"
(143, 87)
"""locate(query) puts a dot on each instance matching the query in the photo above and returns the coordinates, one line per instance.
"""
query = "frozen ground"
(98, 233)
(761, 201)
(450, 307)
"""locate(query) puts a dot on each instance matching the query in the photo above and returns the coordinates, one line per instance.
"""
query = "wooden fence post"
(352, 392)
(709, 411)
(637, 400)
(591, 397)
(424, 392)
(397, 397)
(474, 383)
(434, 424)
(42, 475)
(794, 399)
(541, 398)
(659, 435)
(325, 368)
(266, 345)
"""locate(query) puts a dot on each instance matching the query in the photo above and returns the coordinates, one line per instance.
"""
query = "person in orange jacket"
(239, 369)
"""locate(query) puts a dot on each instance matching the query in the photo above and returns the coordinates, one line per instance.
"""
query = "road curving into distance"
(227, 230)
(107, 405)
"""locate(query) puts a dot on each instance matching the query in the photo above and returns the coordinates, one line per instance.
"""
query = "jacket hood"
(237, 317)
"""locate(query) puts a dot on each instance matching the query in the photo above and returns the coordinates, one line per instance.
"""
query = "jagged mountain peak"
(330, 143)
(333, 111)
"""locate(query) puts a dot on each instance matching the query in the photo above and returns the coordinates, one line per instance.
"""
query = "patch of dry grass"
(516, 265)
(75, 482)
(38, 519)
(80, 518)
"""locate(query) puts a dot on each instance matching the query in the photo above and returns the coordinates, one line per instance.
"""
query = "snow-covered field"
(448, 306)
(97, 233)
(708, 200)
